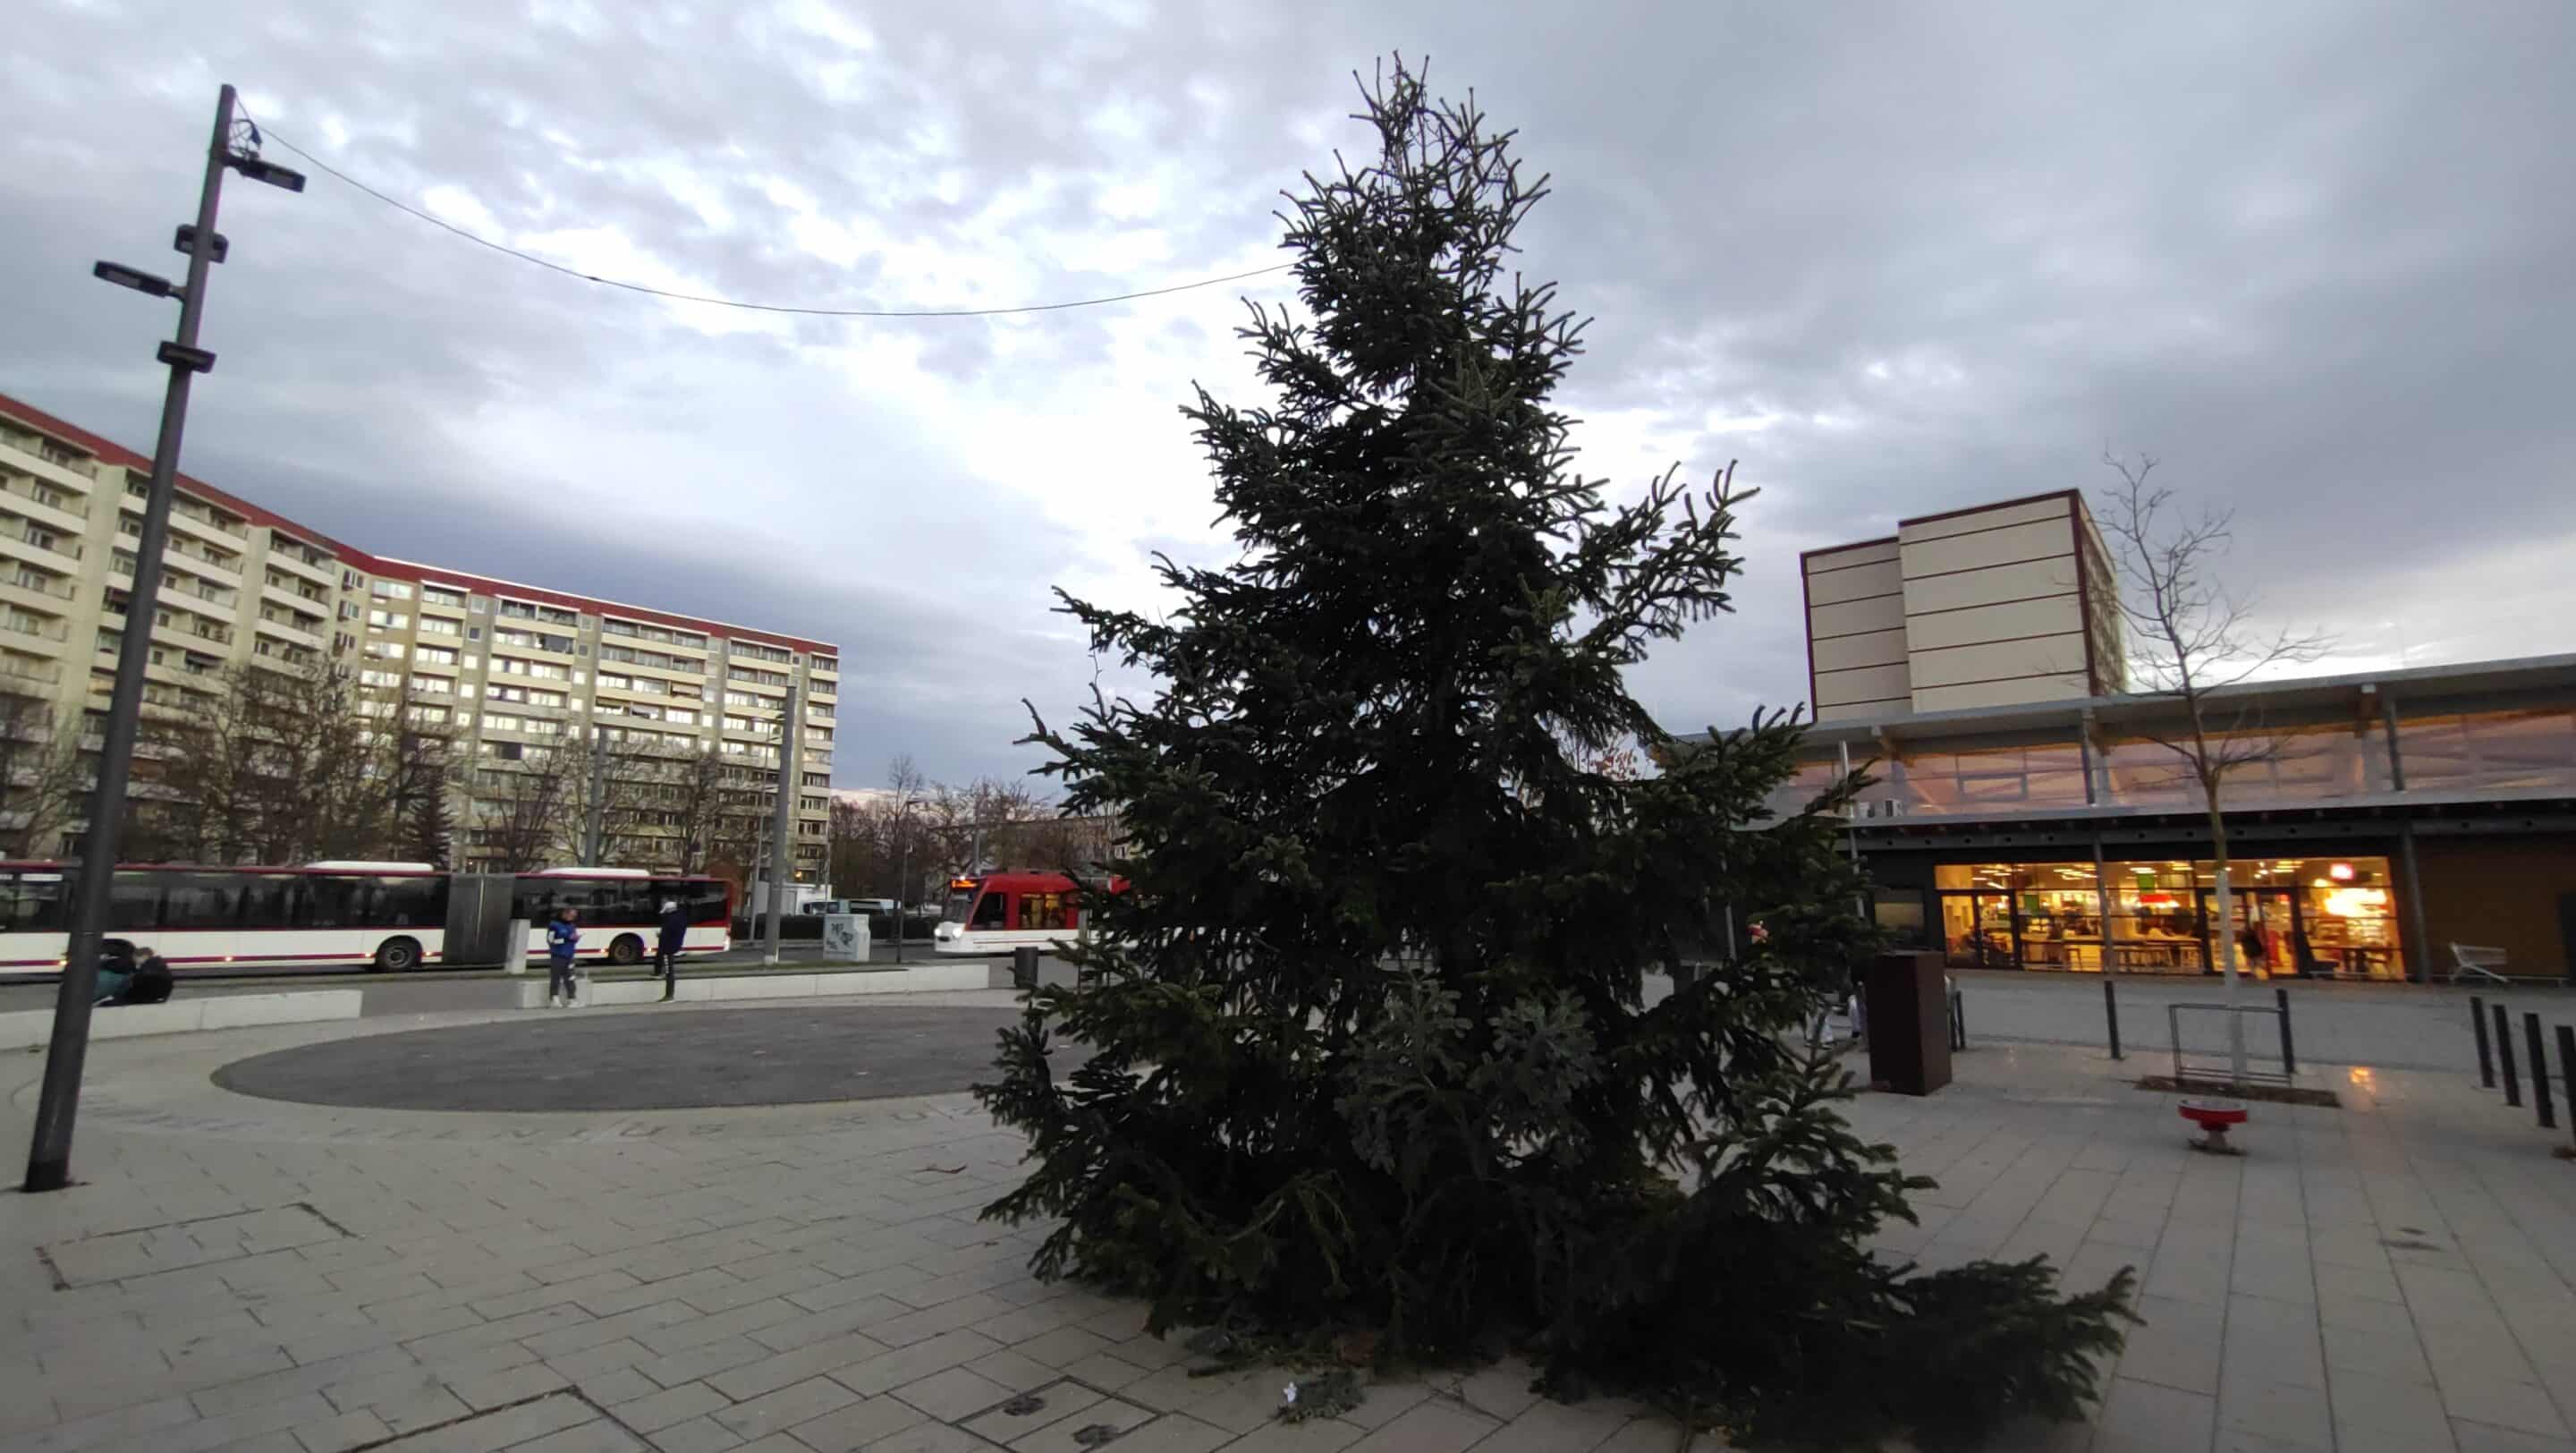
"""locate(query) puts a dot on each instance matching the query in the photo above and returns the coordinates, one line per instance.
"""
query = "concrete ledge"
(909, 979)
(184, 1014)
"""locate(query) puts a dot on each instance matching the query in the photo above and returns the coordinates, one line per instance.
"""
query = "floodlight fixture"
(135, 278)
(267, 171)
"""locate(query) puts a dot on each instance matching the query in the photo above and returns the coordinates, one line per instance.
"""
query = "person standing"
(675, 936)
(563, 940)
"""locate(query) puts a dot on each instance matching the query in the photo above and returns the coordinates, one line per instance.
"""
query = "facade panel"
(1875, 648)
(1860, 582)
(1962, 522)
(1981, 549)
(1856, 617)
(1996, 585)
(1865, 683)
(2022, 691)
(2048, 616)
(2000, 662)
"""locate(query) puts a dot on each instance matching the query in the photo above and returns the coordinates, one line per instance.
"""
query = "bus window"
(628, 902)
(409, 902)
(330, 902)
(134, 902)
(1043, 910)
(268, 901)
(202, 901)
(31, 902)
(705, 901)
(990, 908)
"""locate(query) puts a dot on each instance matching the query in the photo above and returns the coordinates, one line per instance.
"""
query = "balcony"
(24, 672)
(181, 554)
(29, 632)
(28, 588)
(201, 522)
(48, 460)
(44, 503)
(33, 543)
(294, 598)
(287, 557)
(499, 648)
(287, 630)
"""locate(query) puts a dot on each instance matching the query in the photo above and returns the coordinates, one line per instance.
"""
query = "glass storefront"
(2314, 917)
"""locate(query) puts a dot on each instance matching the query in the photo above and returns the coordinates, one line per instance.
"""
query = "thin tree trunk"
(2225, 934)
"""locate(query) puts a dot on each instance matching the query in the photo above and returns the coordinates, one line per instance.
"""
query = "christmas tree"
(1370, 1049)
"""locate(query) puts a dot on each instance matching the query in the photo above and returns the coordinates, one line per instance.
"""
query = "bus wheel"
(397, 955)
(626, 950)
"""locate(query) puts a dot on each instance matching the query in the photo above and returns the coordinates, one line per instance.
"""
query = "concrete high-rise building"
(502, 667)
(1993, 606)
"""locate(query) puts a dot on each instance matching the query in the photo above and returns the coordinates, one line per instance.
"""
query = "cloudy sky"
(2319, 258)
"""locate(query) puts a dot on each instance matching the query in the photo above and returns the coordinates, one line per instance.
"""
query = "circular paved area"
(579, 1060)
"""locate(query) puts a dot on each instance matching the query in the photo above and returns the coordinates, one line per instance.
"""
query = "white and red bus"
(619, 910)
(999, 912)
(393, 916)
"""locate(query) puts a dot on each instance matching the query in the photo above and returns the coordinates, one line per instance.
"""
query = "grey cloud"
(2315, 255)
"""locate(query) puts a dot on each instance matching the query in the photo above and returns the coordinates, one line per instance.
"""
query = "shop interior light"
(2340, 872)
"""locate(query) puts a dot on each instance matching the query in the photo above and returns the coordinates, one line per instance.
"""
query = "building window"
(2310, 917)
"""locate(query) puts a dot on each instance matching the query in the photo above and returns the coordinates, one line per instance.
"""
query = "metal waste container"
(1909, 1022)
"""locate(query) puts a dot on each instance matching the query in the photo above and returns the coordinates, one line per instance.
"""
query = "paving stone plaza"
(251, 1273)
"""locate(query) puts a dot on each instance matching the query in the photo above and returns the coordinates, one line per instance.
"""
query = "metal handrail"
(2184, 1071)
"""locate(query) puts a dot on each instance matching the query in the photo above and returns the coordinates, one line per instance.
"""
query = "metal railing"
(2218, 1067)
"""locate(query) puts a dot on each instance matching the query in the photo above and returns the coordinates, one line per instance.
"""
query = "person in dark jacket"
(116, 968)
(563, 940)
(675, 935)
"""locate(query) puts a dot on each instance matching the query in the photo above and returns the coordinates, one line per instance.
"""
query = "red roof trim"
(115, 453)
(1838, 549)
(2076, 495)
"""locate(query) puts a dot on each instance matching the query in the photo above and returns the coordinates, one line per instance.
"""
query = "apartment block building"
(1986, 607)
(508, 670)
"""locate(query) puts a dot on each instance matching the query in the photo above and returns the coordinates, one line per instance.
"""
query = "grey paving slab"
(2400, 1273)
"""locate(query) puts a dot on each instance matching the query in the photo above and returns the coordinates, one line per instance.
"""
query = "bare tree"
(525, 816)
(695, 800)
(44, 780)
(2191, 639)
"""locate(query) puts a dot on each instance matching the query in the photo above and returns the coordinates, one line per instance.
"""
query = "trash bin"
(1909, 1022)
(1024, 968)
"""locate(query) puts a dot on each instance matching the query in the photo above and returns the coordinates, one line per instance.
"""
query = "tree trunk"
(2225, 935)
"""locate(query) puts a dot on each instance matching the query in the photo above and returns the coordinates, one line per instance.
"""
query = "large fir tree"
(1368, 1047)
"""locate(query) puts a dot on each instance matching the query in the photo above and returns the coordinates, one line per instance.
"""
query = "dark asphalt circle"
(573, 1059)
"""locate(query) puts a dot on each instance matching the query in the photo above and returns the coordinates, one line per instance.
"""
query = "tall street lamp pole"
(49, 1155)
(781, 860)
(902, 871)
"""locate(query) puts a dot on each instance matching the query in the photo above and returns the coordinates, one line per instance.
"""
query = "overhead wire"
(722, 302)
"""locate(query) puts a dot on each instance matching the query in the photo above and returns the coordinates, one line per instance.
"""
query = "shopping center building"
(2405, 811)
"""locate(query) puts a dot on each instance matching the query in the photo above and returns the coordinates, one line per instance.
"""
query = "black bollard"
(2567, 1069)
(1958, 1019)
(2504, 1054)
(2289, 1058)
(2111, 1014)
(2478, 1023)
(2542, 1105)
